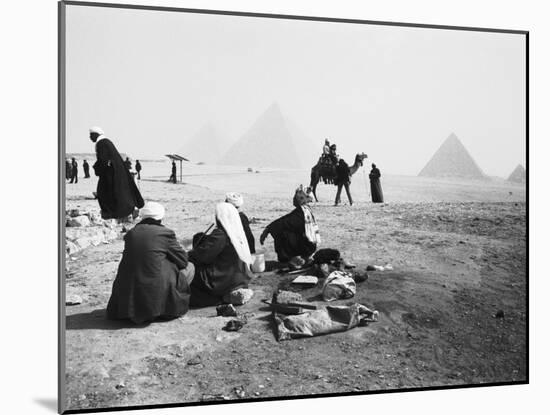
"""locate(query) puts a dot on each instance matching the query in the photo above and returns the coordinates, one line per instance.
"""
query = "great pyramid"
(206, 146)
(518, 175)
(268, 143)
(452, 160)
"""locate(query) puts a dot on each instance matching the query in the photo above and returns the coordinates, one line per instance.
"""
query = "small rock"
(73, 300)
(239, 296)
(239, 392)
(71, 247)
(120, 385)
(81, 397)
(499, 314)
(195, 361)
(80, 221)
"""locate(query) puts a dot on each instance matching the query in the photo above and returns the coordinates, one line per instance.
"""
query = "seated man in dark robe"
(222, 259)
(237, 200)
(375, 186)
(154, 275)
(295, 234)
(117, 191)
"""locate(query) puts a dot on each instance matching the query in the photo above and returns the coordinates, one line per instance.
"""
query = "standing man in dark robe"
(173, 175)
(117, 192)
(86, 168)
(74, 171)
(128, 164)
(68, 169)
(138, 169)
(343, 175)
(375, 186)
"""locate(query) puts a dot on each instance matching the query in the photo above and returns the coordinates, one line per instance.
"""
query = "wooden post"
(181, 170)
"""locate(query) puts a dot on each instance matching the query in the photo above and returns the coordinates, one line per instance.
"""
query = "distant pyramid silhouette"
(452, 160)
(205, 146)
(518, 175)
(268, 143)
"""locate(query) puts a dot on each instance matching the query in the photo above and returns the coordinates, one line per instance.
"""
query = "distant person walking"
(128, 164)
(117, 192)
(86, 168)
(375, 186)
(68, 169)
(138, 169)
(173, 175)
(343, 175)
(74, 171)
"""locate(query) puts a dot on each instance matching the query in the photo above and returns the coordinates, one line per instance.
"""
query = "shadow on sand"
(48, 403)
(97, 320)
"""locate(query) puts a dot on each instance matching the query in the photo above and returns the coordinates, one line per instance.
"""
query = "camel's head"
(359, 158)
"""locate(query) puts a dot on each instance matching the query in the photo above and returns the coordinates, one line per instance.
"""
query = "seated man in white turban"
(222, 259)
(237, 200)
(154, 276)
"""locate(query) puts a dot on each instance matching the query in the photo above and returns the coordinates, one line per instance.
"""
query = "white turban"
(152, 210)
(97, 130)
(235, 199)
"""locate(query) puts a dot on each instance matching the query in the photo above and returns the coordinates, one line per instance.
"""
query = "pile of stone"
(84, 229)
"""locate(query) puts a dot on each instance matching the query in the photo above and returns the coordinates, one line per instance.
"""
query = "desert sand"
(458, 251)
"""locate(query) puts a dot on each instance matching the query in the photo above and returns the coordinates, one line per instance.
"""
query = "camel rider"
(326, 148)
(332, 154)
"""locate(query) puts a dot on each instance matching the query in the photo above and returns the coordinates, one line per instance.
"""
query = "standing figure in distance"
(343, 179)
(74, 171)
(128, 164)
(138, 169)
(86, 168)
(117, 192)
(68, 169)
(375, 186)
(173, 175)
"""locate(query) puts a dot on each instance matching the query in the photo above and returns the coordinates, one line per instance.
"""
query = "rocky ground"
(452, 310)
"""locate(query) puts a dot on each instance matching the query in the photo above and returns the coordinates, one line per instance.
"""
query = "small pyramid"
(452, 160)
(205, 146)
(518, 175)
(268, 143)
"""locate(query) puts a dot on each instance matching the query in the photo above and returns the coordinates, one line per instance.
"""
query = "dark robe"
(375, 186)
(74, 172)
(289, 236)
(218, 269)
(68, 170)
(138, 169)
(86, 168)
(248, 232)
(148, 283)
(117, 192)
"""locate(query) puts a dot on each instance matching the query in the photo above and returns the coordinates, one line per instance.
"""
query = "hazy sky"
(153, 79)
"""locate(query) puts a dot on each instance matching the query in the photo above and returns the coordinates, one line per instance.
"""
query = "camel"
(319, 172)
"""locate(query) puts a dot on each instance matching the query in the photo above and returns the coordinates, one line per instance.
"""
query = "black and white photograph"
(259, 207)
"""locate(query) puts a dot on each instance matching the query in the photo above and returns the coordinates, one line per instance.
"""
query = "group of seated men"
(158, 279)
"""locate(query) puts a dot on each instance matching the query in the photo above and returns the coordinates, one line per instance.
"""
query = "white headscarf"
(152, 210)
(235, 199)
(228, 217)
(97, 130)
